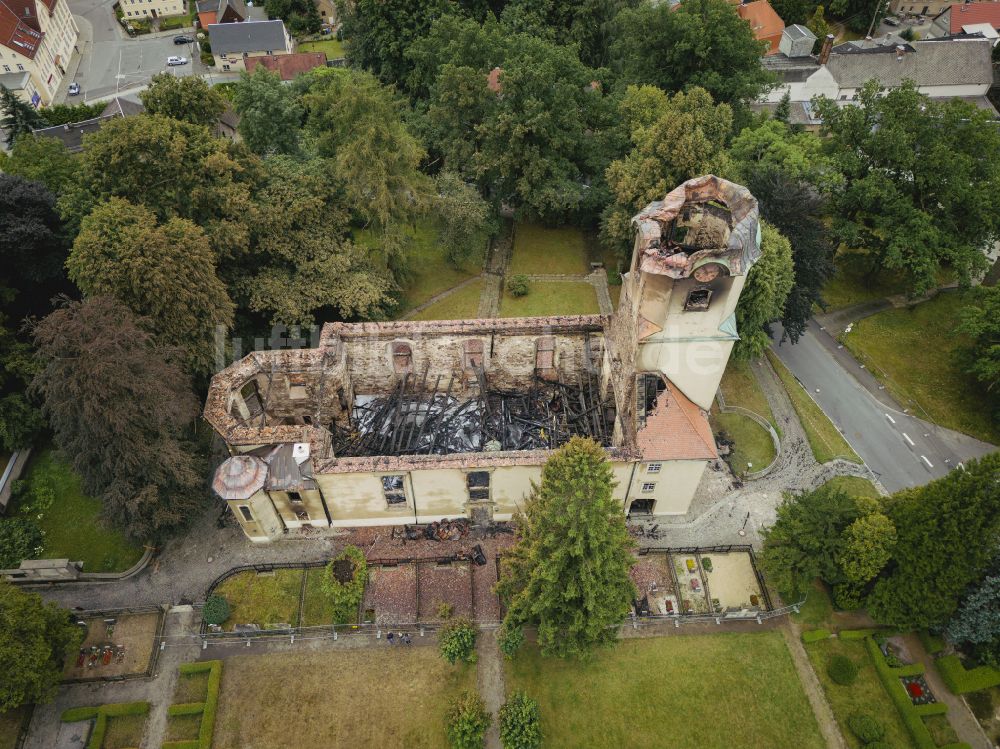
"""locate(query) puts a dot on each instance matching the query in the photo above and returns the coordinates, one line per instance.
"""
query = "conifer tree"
(568, 575)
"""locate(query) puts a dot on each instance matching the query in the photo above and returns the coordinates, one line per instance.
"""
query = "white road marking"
(907, 438)
(929, 464)
(890, 418)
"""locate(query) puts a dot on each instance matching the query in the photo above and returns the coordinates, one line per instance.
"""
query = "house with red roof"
(764, 21)
(967, 18)
(37, 37)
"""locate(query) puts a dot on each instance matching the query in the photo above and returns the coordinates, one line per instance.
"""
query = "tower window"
(698, 300)
(392, 490)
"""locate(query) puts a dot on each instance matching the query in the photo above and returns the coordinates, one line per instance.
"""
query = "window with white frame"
(653, 467)
(648, 487)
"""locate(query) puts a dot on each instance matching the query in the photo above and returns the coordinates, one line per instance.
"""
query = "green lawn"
(183, 727)
(917, 354)
(540, 251)
(854, 282)
(73, 526)
(552, 298)
(334, 49)
(459, 305)
(825, 440)
(265, 599)
(739, 387)
(431, 273)
(865, 695)
(124, 732)
(817, 611)
(704, 691)
(986, 707)
(751, 442)
(191, 688)
(316, 606)
(855, 486)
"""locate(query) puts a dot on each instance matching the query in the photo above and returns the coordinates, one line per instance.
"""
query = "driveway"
(901, 449)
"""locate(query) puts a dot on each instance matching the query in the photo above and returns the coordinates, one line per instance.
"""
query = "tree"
(674, 138)
(763, 299)
(783, 112)
(20, 539)
(164, 273)
(188, 99)
(817, 25)
(301, 16)
(981, 322)
(568, 574)
(806, 540)
(773, 145)
(468, 720)
(588, 24)
(464, 217)
(868, 545)
(793, 11)
(934, 562)
(697, 43)
(457, 641)
(19, 118)
(44, 160)
(520, 723)
(119, 405)
(35, 639)
(922, 181)
(270, 113)
(977, 622)
(62, 114)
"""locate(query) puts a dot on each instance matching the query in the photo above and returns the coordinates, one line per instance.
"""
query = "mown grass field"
(271, 598)
(541, 251)
(552, 298)
(461, 304)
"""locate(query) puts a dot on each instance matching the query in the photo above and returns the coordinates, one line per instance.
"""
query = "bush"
(345, 595)
(207, 59)
(445, 610)
(932, 643)
(518, 285)
(207, 730)
(458, 641)
(961, 680)
(20, 539)
(216, 610)
(75, 714)
(468, 720)
(815, 635)
(510, 639)
(520, 724)
(121, 709)
(879, 745)
(855, 634)
(866, 728)
(205, 45)
(841, 670)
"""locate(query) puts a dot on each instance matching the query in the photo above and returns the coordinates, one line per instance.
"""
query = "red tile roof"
(288, 66)
(19, 29)
(676, 430)
(764, 21)
(962, 14)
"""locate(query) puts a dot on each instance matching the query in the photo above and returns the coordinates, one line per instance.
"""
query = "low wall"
(720, 399)
(12, 472)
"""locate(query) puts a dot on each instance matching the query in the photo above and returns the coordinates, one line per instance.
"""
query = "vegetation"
(461, 304)
(465, 220)
(457, 641)
(866, 728)
(568, 573)
(552, 298)
(263, 599)
(751, 674)
(215, 611)
(976, 624)
(763, 298)
(842, 670)
(740, 387)
(540, 250)
(207, 709)
(468, 721)
(520, 723)
(961, 680)
(343, 583)
(35, 639)
(270, 112)
(752, 449)
(518, 286)
(334, 48)
(116, 726)
(187, 99)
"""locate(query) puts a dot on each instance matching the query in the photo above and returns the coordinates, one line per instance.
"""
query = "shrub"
(879, 745)
(510, 639)
(205, 46)
(847, 597)
(216, 610)
(518, 285)
(344, 584)
(961, 680)
(912, 716)
(855, 634)
(207, 59)
(20, 539)
(207, 730)
(75, 714)
(445, 610)
(468, 720)
(458, 641)
(842, 670)
(520, 724)
(932, 643)
(865, 727)
(815, 635)
(706, 562)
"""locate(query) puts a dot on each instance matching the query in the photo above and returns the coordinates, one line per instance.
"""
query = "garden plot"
(114, 646)
(731, 581)
(655, 584)
(269, 600)
(391, 595)
(444, 586)
(690, 585)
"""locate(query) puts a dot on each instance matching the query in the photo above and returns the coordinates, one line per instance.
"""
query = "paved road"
(901, 449)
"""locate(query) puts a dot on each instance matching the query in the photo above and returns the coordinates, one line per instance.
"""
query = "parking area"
(116, 65)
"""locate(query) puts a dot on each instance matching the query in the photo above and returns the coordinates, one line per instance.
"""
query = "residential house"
(221, 11)
(233, 43)
(71, 134)
(288, 66)
(928, 7)
(967, 18)
(37, 37)
(151, 9)
(328, 12)
(941, 68)
(387, 423)
(766, 24)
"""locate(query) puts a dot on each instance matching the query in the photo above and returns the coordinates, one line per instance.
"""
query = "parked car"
(174, 60)
(74, 88)
(183, 39)
(891, 21)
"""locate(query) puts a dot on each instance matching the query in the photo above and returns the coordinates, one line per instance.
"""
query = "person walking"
(390, 638)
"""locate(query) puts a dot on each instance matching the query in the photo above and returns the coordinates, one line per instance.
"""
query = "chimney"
(900, 51)
(824, 54)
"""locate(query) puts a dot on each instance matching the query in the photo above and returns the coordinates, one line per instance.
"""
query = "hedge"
(961, 680)
(815, 635)
(120, 709)
(912, 715)
(75, 714)
(856, 634)
(932, 643)
(102, 713)
(189, 744)
(186, 708)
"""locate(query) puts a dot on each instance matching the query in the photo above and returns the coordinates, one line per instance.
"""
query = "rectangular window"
(648, 487)
(251, 397)
(20, 67)
(698, 300)
(545, 356)
(478, 484)
(392, 489)
(653, 468)
(402, 358)
(472, 354)
(294, 497)
(245, 512)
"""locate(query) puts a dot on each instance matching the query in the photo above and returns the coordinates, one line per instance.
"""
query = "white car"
(175, 60)
(74, 88)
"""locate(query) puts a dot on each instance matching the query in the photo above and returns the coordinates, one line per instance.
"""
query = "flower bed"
(919, 691)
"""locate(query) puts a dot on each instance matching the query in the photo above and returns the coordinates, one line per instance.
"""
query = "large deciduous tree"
(44, 160)
(981, 322)
(120, 406)
(165, 273)
(934, 561)
(301, 16)
(35, 640)
(188, 99)
(270, 112)
(763, 299)
(31, 241)
(697, 43)
(922, 181)
(568, 575)
(588, 24)
(464, 219)
(674, 138)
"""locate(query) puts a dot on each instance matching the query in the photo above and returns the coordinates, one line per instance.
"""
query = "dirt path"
(489, 675)
(959, 714)
(814, 691)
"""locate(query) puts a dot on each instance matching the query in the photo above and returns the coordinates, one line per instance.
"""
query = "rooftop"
(927, 63)
(763, 20)
(248, 36)
(288, 66)
(961, 15)
(19, 27)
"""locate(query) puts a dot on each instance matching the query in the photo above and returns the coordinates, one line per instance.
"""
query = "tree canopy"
(568, 574)
(44, 160)
(18, 117)
(762, 300)
(270, 112)
(186, 99)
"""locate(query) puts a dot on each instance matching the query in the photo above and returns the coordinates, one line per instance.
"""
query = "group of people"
(402, 638)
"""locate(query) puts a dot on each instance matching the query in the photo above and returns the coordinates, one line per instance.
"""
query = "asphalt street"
(901, 449)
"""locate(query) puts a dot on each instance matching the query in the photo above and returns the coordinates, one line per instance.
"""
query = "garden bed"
(265, 599)
(751, 447)
(136, 633)
(448, 586)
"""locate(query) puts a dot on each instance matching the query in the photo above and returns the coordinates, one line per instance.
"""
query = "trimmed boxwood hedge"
(912, 715)
(102, 713)
(961, 680)
(206, 708)
(932, 643)
(186, 708)
(856, 634)
(75, 714)
(815, 635)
